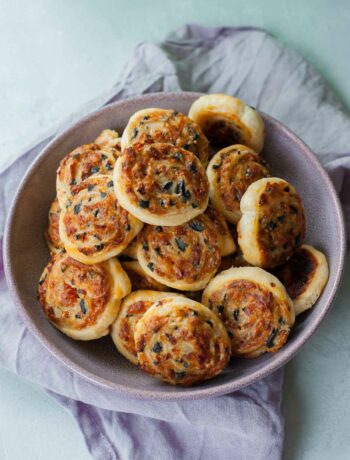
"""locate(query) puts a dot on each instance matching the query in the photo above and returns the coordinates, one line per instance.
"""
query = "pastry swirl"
(131, 311)
(304, 276)
(272, 226)
(230, 172)
(150, 126)
(226, 120)
(52, 233)
(254, 307)
(181, 342)
(85, 161)
(82, 300)
(139, 279)
(183, 257)
(93, 225)
(161, 184)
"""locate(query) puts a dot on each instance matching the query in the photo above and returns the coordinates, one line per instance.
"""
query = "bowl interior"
(26, 253)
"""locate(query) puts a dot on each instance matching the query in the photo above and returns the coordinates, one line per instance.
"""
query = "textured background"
(57, 55)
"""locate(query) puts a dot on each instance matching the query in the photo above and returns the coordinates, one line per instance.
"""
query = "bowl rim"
(192, 392)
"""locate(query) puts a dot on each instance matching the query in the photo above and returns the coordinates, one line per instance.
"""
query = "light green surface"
(56, 55)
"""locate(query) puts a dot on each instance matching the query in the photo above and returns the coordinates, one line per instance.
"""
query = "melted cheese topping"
(93, 225)
(52, 233)
(166, 126)
(82, 300)
(181, 342)
(272, 226)
(132, 309)
(255, 308)
(184, 257)
(226, 120)
(230, 172)
(85, 161)
(161, 184)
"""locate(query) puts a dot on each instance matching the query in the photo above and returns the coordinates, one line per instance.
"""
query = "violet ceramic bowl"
(98, 361)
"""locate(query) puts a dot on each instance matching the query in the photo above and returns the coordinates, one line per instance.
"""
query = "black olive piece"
(146, 117)
(95, 169)
(196, 137)
(293, 209)
(167, 186)
(185, 365)
(73, 182)
(77, 236)
(145, 246)
(157, 249)
(108, 166)
(127, 227)
(179, 375)
(281, 218)
(235, 314)
(158, 228)
(90, 187)
(271, 225)
(286, 189)
(216, 166)
(96, 212)
(151, 266)
(178, 156)
(281, 320)
(42, 281)
(230, 334)
(76, 156)
(76, 208)
(103, 194)
(110, 183)
(270, 340)
(181, 244)
(193, 168)
(83, 306)
(194, 313)
(157, 347)
(209, 322)
(186, 146)
(298, 240)
(196, 226)
(220, 309)
(103, 156)
(135, 133)
(194, 205)
(99, 247)
(144, 204)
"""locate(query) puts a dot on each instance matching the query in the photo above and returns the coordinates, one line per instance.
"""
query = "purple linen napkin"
(247, 424)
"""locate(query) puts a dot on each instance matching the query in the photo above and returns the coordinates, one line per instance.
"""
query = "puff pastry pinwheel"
(181, 342)
(255, 308)
(85, 161)
(226, 120)
(110, 139)
(304, 276)
(160, 125)
(227, 244)
(272, 226)
(161, 184)
(93, 225)
(183, 257)
(230, 172)
(52, 233)
(131, 311)
(81, 300)
(139, 279)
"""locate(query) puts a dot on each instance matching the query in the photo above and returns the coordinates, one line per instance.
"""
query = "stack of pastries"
(178, 241)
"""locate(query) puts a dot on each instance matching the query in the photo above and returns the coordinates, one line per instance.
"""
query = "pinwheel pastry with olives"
(81, 300)
(181, 341)
(93, 225)
(183, 257)
(230, 172)
(272, 226)
(85, 161)
(149, 126)
(131, 311)
(161, 184)
(52, 233)
(226, 120)
(304, 276)
(254, 307)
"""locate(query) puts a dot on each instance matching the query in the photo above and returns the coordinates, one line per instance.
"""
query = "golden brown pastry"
(254, 307)
(184, 257)
(131, 311)
(85, 161)
(52, 233)
(139, 279)
(160, 125)
(272, 226)
(181, 342)
(110, 139)
(227, 243)
(93, 225)
(161, 184)
(226, 120)
(230, 172)
(304, 276)
(81, 300)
